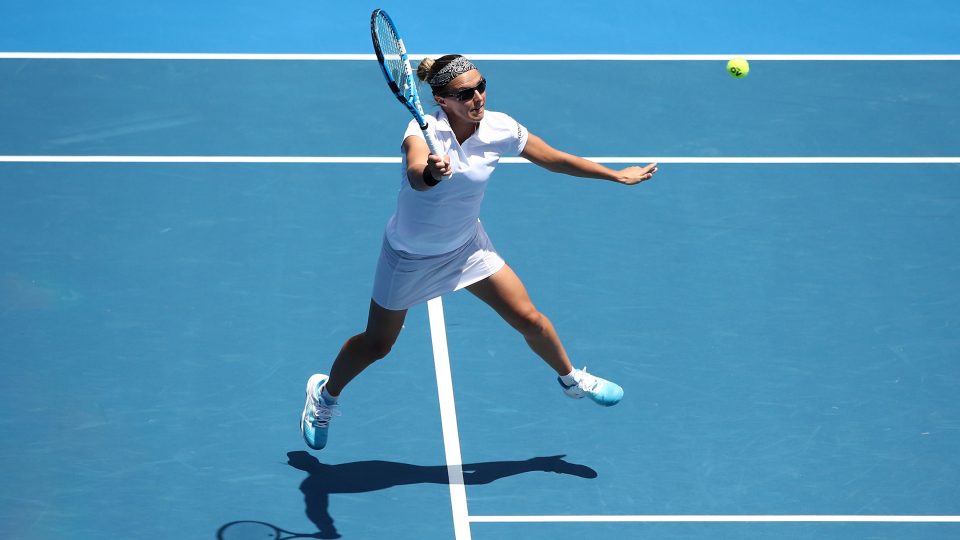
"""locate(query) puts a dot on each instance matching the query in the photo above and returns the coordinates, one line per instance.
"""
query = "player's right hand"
(439, 166)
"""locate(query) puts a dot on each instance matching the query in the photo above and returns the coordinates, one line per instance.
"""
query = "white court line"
(196, 159)
(448, 420)
(461, 518)
(717, 519)
(478, 56)
(796, 160)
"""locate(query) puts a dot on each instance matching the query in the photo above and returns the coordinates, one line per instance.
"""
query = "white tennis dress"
(434, 243)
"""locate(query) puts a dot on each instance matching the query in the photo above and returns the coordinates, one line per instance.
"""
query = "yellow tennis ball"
(738, 68)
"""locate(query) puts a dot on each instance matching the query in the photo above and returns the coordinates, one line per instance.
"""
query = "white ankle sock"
(327, 398)
(569, 379)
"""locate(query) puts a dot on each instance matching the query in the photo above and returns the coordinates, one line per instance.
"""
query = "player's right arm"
(420, 162)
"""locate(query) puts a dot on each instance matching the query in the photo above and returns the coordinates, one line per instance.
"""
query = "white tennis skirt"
(404, 280)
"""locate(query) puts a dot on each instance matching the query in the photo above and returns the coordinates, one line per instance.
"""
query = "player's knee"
(369, 348)
(378, 348)
(530, 322)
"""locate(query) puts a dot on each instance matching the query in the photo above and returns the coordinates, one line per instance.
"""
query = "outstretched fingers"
(635, 175)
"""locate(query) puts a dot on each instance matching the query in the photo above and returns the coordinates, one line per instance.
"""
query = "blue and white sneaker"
(315, 420)
(601, 391)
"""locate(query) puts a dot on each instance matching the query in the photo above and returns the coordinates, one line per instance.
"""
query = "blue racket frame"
(412, 102)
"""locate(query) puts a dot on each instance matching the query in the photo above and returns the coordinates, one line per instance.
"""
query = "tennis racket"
(258, 530)
(392, 56)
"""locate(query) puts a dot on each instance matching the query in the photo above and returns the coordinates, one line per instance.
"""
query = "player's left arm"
(539, 152)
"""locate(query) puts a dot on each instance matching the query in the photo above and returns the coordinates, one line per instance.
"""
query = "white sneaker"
(315, 420)
(601, 391)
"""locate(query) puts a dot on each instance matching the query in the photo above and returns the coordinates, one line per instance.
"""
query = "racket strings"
(392, 50)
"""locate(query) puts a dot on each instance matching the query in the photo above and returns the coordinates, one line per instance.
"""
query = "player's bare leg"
(505, 293)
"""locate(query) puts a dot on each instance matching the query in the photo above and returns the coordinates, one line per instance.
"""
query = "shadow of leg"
(319, 513)
(484, 473)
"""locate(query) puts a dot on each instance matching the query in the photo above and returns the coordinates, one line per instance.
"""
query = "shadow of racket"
(259, 530)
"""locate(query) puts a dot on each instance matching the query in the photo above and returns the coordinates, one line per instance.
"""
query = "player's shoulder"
(437, 121)
(413, 127)
(498, 125)
(499, 120)
(428, 118)
(501, 128)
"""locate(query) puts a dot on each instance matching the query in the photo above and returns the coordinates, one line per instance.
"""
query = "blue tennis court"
(186, 237)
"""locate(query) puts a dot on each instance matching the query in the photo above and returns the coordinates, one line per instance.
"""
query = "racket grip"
(432, 143)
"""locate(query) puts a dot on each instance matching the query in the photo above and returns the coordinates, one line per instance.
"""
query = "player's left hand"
(635, 175)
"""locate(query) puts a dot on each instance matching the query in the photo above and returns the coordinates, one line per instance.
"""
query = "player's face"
(465, 96)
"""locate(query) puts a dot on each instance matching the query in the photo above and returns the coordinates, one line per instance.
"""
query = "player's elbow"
(557, 164)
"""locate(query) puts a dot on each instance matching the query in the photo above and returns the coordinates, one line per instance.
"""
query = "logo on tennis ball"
(738, 68)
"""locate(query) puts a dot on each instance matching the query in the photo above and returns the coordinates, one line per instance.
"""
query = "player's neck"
(463, 129)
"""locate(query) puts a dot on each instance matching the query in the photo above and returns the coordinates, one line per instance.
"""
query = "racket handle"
(432, 143)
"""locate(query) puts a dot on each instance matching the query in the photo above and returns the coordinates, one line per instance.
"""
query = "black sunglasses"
(467, 93)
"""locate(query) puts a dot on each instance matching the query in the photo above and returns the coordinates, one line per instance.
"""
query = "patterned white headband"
(450, 72)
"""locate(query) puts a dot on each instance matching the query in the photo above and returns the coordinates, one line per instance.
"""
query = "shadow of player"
(364, 476)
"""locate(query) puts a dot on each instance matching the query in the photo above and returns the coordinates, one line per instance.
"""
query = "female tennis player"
(434, 243)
